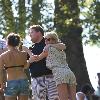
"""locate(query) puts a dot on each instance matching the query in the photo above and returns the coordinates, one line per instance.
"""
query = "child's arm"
(60, 46)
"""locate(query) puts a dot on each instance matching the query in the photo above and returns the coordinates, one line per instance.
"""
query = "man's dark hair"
(13, 39)
(37, 28)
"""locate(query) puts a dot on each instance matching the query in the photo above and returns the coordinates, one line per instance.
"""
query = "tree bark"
(36, 12)
(67, 24)
(75, 57)
(21, 27)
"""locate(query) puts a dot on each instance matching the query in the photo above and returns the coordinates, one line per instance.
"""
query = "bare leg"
(10, 98)
(63, 91)
(23, 97)
(72, 92)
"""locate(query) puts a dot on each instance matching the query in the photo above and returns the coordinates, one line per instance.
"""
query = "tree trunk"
(36, 14)
(68, 26)
(75, 57)
(22, 18)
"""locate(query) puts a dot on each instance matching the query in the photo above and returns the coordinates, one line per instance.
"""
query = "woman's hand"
(33, 58)
(36, 58)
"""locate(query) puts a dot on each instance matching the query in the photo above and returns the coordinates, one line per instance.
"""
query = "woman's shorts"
(17, 87)
(64, 75)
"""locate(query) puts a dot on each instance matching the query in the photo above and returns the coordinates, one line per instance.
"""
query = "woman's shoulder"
(24, 53)
(55, 50)
(5, 53)
(9, 52)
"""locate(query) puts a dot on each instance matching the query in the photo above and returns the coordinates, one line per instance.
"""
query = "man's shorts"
(17, 87)
(44, 87)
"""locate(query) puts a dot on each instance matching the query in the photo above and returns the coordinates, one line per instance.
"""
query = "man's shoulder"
(37, 45)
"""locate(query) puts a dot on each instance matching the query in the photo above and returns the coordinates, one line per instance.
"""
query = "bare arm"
(1, 70)
(1, 75)
(44, 54)
(36, 58)
(26, 63)
(60, 46)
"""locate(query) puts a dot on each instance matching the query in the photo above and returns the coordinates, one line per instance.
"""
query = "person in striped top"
(3, 46)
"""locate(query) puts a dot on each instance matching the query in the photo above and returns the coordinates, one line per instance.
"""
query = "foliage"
(21, 19)
(47, 16)
(17, 15)
(66, 16)
(90, 18)
(8, 19)
(68, 25)
(69, 18)
(36, 8)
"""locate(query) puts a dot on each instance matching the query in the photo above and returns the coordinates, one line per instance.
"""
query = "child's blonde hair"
(52, 35)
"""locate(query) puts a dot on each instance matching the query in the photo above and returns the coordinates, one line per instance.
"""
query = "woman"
(56, 61)
(14, 62)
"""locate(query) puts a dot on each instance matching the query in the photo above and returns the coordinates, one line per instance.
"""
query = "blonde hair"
(52, 35)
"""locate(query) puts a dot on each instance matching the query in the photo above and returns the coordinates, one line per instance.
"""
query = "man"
(43, 85)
